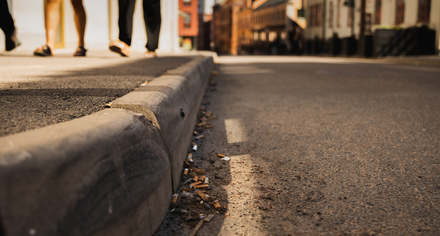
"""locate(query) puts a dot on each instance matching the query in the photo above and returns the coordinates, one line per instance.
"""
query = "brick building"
(188, 23)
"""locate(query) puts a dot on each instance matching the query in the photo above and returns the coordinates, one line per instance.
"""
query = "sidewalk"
(85, 167)
(36, 92)
(414, 60)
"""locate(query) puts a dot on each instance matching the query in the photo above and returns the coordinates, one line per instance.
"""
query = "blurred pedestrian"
(8, 27)
(152, 20)
(52, 19)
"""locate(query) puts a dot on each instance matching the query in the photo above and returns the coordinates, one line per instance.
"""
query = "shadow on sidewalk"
(36, 92)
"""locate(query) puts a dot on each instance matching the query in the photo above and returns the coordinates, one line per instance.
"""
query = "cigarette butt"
(195, 133)
(196, 178)
(216, 204)
(189, 159)
(202, 178)
(200, 136)
(185, 172)
(201, 124)
(194, 232)
(195, 147)
(209, 218)
(201, 186)
(190, 155)
(220, 155)
(202, 195)
(196, 183)
(200, 171)
(174, 199)
(206, 180)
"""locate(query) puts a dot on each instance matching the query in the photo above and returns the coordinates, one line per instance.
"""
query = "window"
(378, 12)
(315, 15)
(187, 2)
(187, 21)
(330, 15)
(263, 36)
(400, 11)
(424, 9)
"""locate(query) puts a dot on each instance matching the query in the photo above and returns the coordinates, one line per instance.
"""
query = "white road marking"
(235, 132)
(241, 197)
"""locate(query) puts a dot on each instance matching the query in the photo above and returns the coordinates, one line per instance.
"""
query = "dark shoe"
(80, 52)
(120, 47)
(43, 51)
(12, 42)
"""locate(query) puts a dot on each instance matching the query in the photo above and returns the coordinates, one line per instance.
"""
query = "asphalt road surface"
(36, 92)
(320, 146)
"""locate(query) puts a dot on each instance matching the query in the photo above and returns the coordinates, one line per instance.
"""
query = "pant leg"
(6, 21)
(125, 22)
(153, 21)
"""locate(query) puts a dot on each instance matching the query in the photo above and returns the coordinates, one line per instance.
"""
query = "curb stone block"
(103, 174)
(162, 101)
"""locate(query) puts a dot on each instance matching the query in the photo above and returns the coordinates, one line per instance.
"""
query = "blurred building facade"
(373, 27)
(188, 23)
(101, 28)
(256, 26)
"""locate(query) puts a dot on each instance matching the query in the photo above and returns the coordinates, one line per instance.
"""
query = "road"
(320, 146)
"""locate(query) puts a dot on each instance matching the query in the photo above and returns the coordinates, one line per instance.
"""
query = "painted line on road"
(235, 131)
(241, 197)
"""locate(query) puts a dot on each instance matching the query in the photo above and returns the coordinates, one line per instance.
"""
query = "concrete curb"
(109, 173)
(171, 102)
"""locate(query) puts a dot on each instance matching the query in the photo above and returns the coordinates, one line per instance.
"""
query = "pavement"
(36, 92)
(92, 146)
(318, 146)
(95, 145)
(433, 61)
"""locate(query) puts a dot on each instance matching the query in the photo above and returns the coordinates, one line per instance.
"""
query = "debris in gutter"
(209, 218)
(216, 204)
(174, 198)
(201, 186)
(194, 232)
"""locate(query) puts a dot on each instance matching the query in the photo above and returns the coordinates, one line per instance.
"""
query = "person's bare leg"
(52, 19)
(80, 20)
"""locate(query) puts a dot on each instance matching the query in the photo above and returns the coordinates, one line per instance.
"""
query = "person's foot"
(150, 54)
(80, 52)
(120, 47)
(12, 42)
(43, 51)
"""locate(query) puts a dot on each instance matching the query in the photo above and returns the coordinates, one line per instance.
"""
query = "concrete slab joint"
(109, 173)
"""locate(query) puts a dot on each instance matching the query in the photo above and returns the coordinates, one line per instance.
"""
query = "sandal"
(80, 52)
(43, 51)
(150, 54)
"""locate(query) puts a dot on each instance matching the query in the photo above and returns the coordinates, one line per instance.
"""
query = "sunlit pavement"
(324, 146)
